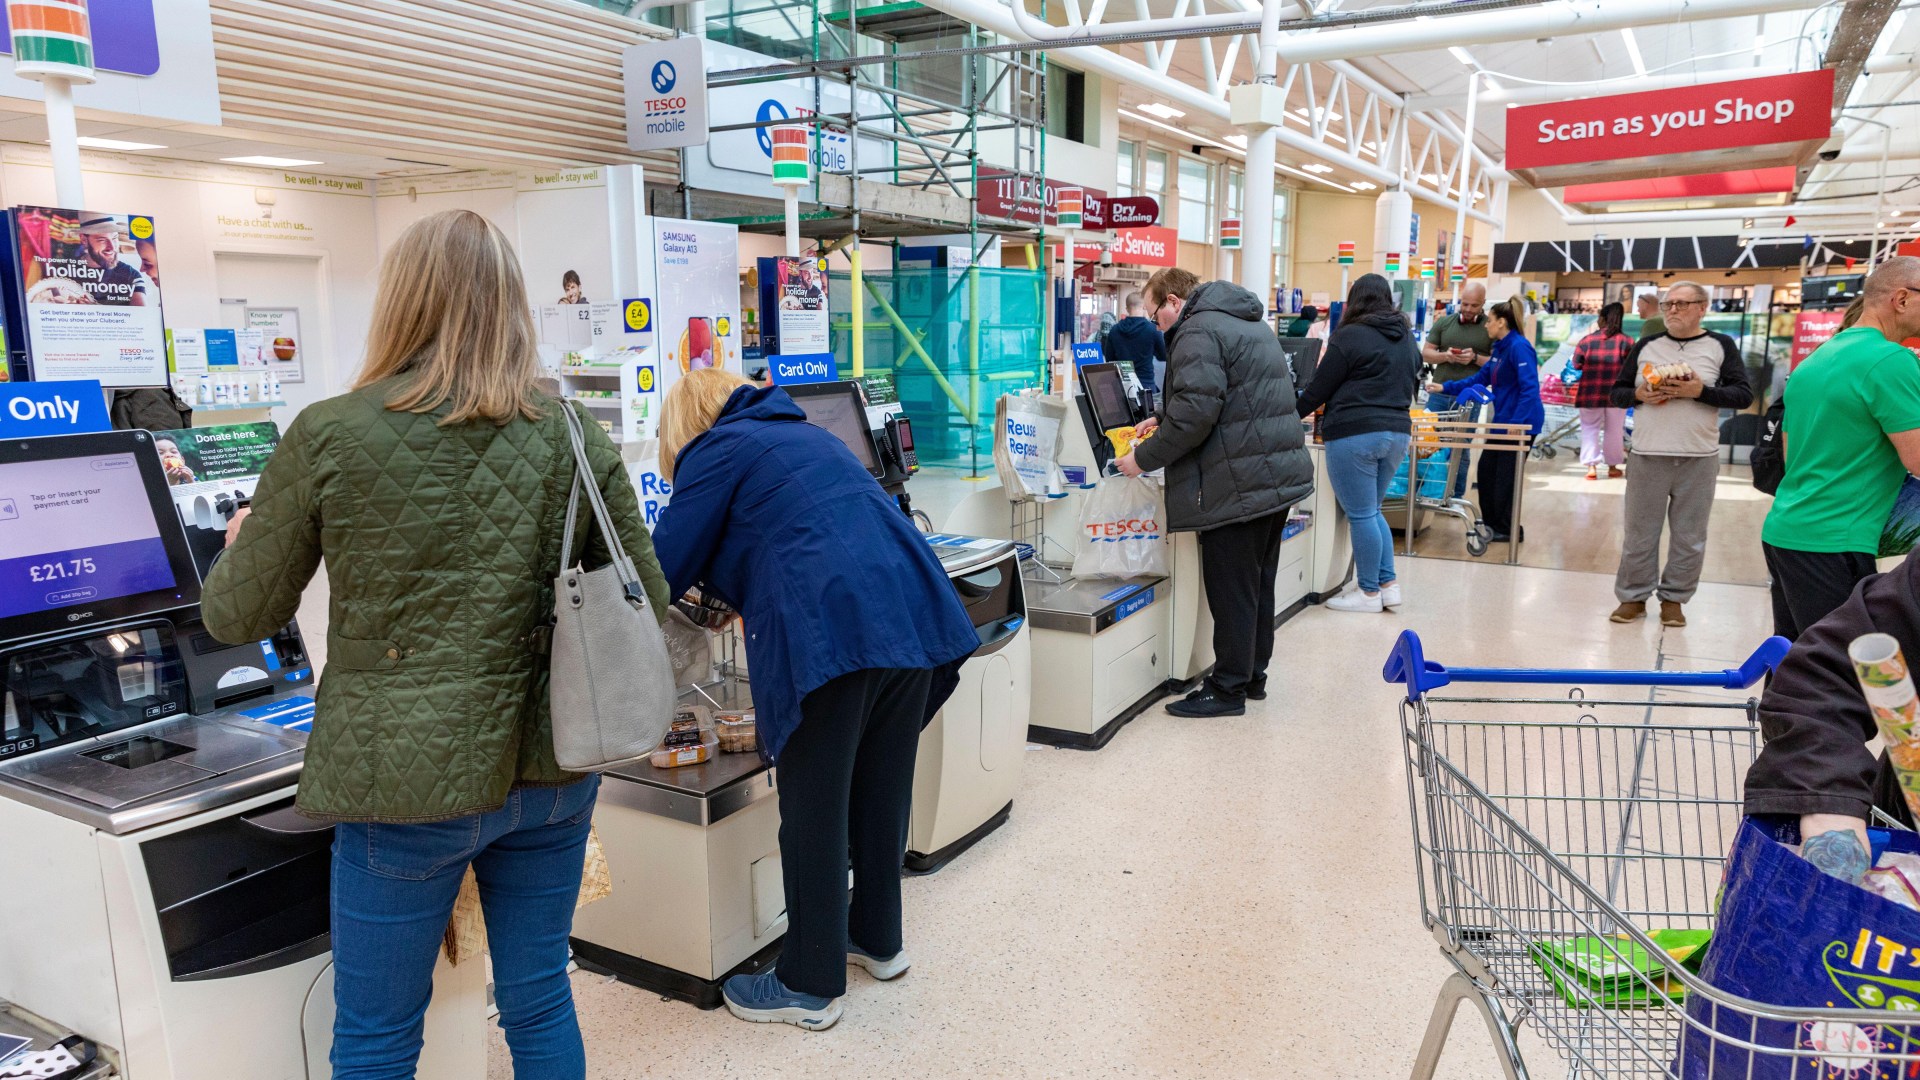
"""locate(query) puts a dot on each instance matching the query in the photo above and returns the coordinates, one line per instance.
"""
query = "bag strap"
(582, 469)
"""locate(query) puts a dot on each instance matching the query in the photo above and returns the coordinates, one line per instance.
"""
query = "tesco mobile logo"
(664, 77)
(770, 110)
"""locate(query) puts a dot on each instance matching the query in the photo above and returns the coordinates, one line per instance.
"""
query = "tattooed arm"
(1837, 844)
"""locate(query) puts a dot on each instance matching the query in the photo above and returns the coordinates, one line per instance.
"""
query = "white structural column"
(1392, 228)
(1263, 145)
(63, 136)
(1466, 191)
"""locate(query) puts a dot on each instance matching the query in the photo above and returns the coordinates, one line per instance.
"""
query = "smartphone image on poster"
(696, 347)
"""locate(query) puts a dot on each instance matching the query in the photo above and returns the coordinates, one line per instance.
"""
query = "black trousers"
(846, 786)
(1237, 565)
(1498, 469)
(1809, 585)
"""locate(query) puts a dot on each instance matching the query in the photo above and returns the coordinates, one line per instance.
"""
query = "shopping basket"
(1564, 844)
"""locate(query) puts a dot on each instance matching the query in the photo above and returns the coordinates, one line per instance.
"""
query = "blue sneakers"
(764, 999)
(884, 969)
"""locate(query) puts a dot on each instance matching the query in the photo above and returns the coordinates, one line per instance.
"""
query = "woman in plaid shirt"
(1603, 429)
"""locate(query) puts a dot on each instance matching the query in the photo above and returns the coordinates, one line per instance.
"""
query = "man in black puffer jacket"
(1236, 460)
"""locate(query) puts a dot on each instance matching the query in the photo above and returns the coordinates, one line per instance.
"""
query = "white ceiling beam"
(1558, 19)
(1523, 95)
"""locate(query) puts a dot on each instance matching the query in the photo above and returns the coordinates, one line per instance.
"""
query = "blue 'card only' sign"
(52, 408)
(1086, 352)
(788, 369)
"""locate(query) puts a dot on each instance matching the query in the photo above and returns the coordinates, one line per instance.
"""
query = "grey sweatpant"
(1676, 492)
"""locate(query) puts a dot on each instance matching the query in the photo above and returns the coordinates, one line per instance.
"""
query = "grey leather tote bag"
(612, 690)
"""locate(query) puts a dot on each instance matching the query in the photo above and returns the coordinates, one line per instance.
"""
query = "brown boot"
(1630, 611)
(1671, 615)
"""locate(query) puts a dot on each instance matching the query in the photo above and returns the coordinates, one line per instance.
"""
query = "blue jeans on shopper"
(1361, 467)
(393, 892)
(1441, 403)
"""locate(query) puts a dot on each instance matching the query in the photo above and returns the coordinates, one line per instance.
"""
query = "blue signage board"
(788, 369)
(1086, 352)
(52, 408)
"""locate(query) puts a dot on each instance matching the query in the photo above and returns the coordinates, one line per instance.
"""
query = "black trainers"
(1207, 704)
(1257, 690)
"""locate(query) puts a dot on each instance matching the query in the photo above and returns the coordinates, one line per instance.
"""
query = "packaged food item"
(674, 757)
(1616, 972)
(1890, 884)
(737, 732)
(689, 741)
(1658, 374)
(1887, 685)
(1124, 439)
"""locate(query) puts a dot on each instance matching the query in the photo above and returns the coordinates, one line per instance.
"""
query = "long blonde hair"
(451, 309)
(691, 407)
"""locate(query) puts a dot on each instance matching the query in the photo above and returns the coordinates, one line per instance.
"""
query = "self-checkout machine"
(721, 909)
(1110, 647)
(162, 897)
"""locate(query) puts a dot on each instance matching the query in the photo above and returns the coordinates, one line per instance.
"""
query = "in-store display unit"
(167, 902)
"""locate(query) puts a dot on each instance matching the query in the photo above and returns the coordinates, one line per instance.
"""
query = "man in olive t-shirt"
(1851, 434)
(1647, 306)
(1456, 346)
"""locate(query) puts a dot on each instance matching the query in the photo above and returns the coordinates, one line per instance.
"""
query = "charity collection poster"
(801, 289)
(205, 460)
(91, 284)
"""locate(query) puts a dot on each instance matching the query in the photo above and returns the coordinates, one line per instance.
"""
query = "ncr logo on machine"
(666, 93)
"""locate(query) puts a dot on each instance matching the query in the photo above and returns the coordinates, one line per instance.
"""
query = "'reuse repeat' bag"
(1121, 530)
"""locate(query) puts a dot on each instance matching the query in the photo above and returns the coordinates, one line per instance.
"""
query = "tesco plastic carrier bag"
(1121, 530)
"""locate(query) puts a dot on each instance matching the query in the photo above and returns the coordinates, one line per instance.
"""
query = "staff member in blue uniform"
(854, 636)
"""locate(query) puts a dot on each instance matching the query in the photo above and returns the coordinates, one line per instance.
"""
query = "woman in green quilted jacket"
(435, 491)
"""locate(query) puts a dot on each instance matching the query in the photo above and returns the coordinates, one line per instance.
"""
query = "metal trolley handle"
(1409, 666)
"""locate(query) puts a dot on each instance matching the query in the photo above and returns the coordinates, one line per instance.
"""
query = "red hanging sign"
(1777, 120)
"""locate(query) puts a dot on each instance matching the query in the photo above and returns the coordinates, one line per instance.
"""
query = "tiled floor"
(1230, 898)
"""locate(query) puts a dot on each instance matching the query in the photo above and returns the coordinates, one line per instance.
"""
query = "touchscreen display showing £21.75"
(76, 531)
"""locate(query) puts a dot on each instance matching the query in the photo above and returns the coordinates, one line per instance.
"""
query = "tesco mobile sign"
(666, 93)
(1745, 123)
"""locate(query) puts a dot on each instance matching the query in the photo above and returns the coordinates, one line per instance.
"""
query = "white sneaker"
(1356, 601)
(1390, 595)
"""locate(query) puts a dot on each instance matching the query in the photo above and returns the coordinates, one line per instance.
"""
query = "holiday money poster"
(91, 281)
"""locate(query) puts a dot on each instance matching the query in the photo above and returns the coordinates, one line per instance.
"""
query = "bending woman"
(854, 636)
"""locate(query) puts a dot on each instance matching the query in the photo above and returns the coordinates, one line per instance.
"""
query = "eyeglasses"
(1676, 305)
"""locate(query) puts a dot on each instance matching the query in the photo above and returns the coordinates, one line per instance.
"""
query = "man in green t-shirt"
(1647, 306)
(1456, 346)
(1851, 434)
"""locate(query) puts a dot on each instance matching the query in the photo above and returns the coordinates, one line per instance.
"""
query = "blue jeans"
(1361, 467)
(1441, 403)
(393, 892)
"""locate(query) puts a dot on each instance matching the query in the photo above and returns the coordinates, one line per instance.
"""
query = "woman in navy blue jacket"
(854, 638)
(1513, 375)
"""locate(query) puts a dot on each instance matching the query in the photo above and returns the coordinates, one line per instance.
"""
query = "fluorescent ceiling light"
(1633, 50)
(270, 162)
(1461, 55)
(1364, 185)
(1238, 140)
(1316, 179)
(1319, 112)
(1431, 178)
(1164, 112)
(92, 143)
(1190, 137)
(1316, 167)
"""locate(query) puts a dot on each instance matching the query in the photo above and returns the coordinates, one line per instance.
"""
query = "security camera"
(1830, 150)
(1830, 155)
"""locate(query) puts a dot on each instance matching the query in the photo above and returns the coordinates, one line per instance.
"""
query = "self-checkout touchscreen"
(83, 537)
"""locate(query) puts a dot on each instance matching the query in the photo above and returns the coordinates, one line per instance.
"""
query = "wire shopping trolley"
(1569, 852)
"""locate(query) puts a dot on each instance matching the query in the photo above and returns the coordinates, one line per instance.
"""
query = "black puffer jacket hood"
(1229, 438)
(1391, 324)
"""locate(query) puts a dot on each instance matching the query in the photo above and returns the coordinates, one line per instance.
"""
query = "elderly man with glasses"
(1676, 382)
(1851, 436)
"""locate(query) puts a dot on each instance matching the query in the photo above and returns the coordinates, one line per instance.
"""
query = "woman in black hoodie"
(1367, 382)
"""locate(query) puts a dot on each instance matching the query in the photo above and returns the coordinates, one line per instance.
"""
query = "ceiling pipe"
(1891, 63)
(1244, 21)
(1716, 213)
(1523, 95)
(1557, 19)
(999, 19)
